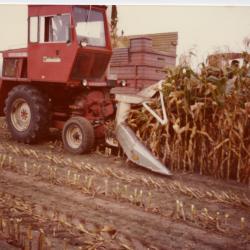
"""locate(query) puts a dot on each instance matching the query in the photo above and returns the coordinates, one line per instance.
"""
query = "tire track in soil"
(142, 229)
(137, 227)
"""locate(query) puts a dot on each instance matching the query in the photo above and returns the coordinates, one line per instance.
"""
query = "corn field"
(52, 200)
(208, 129)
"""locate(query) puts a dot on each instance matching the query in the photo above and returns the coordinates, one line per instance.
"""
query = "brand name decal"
(48, 59)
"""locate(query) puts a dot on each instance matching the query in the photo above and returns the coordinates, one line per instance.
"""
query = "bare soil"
(50, 199)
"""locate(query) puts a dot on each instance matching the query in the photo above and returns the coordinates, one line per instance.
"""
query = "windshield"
(89, 27)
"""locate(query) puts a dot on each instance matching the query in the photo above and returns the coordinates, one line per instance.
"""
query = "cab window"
(33, 29)
(89, 26)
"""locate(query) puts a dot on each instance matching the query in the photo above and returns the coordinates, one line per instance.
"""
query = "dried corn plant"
(209, 121)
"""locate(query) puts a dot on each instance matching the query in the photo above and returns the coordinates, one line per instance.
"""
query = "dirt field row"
(52, 200)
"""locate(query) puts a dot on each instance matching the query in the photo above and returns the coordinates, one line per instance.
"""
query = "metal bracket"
(163, 120)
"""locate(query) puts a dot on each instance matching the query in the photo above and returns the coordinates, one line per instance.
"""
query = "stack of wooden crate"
(139, 64)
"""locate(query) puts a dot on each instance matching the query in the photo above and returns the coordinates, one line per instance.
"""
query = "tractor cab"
(68, 44)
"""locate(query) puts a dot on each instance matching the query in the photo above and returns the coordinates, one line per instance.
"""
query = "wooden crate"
(139, 64)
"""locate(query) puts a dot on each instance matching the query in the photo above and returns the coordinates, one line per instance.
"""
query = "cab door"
(51, 51)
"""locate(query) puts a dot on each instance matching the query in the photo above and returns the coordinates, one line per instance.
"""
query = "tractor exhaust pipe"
(133, 148)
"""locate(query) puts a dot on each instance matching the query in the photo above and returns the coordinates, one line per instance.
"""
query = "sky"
(205, 29)
(136, 2)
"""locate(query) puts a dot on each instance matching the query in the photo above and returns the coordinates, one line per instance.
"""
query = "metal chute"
(137, 152)
(133, 148)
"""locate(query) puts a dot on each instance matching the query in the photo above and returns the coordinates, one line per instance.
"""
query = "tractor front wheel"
(27, 114)
(78, 135)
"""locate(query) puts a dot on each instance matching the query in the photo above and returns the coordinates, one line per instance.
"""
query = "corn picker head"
(134, 149)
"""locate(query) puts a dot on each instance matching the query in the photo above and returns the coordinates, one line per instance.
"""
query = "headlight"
(83, 44)
(123, 83)
(84, 82)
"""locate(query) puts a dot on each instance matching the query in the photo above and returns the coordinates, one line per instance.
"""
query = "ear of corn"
(209, 121)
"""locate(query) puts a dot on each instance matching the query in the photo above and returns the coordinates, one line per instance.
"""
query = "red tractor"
(60, 81)
(60, 75)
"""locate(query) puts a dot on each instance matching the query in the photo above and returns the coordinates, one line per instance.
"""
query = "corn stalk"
(209, 121)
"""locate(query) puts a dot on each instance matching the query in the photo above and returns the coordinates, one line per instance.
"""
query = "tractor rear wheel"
(78, 135)
(27, 114)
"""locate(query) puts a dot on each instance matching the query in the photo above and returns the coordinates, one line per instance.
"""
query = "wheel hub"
(74, 136)
(20, 115)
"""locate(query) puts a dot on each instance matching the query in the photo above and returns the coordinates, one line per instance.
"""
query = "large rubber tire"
(78, 135)
(37, 104)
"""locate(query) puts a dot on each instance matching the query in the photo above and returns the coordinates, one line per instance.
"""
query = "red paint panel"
(46, 10)
(15, 53)
(90, 63)
(40, 62)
